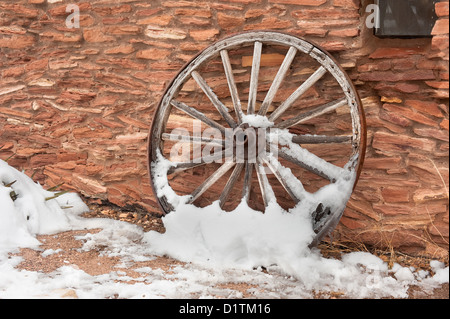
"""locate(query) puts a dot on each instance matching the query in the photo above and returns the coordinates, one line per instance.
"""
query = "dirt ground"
(94, 263)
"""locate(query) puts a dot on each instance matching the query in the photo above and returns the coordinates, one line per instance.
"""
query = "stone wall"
(76, 103)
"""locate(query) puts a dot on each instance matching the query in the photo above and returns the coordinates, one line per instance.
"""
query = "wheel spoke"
(191, 139)
(247, 181)
(316, 111)
(277, 81)
(182, 166)
(266, 190)
(197, 115)
(321, 139)
(210, 181)
(232, 85)
(230, 183)
(291, 184)
(214, 99)
(253, 89)
(297, 93)
(311, 162)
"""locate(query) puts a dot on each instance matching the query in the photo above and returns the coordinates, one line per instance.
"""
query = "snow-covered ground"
(218, 248)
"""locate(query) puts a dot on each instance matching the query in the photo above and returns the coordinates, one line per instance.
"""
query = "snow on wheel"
(261, 117)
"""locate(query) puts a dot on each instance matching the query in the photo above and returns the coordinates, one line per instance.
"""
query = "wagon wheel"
(262, 117)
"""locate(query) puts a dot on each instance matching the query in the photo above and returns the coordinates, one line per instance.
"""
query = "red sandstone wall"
(402, 197)
(76, 103)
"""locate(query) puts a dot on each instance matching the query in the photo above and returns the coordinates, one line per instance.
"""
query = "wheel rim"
(258, 112)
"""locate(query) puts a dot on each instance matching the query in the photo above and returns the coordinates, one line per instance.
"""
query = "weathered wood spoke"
(197, 115)
(179, 167)
(312, 163)
(182, 166)
(253, 87)
(290, 183)
(266, 190)
(192, 139)
(230, 183)
(211, 180)
(297, 93)
(321, 139)
(232, 85)
(277, 81)
(312, 113)
(223, 110)
(247, 181)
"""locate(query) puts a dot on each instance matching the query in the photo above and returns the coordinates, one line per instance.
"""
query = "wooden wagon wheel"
(284, 103)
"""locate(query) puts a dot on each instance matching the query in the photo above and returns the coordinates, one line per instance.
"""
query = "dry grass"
(388, 254)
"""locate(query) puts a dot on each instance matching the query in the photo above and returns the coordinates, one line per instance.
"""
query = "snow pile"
(441, 272)
(245, 239)
(220, 247)
(27, 210)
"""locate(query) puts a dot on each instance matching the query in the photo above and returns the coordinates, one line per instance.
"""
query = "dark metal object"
(400, 18)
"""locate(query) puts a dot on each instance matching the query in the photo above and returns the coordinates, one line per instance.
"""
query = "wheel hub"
(247, 142)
